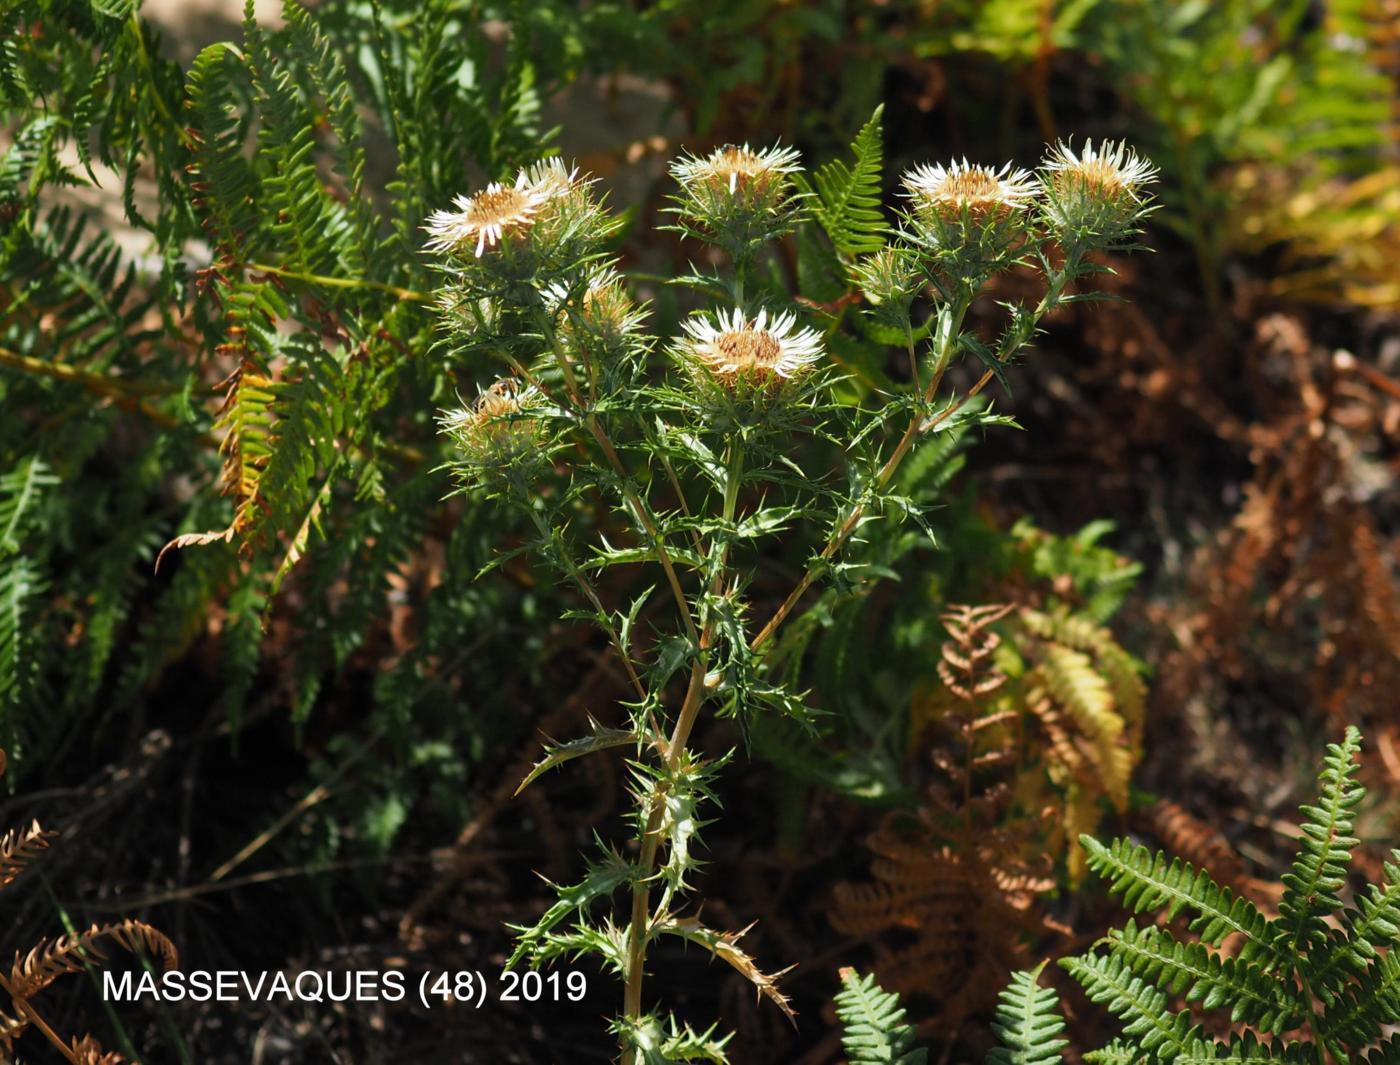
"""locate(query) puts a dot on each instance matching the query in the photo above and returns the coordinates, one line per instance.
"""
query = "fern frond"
(18, 848)
(875, 1031)
(11, 1028)
(20, 492)
(1148, 882)
(72, 953)
(1319, 871)
(1365, 1012)
(1369, 927)
(1117, 1052)
(845, 198)
(1146, 1011)
(88, 1051)
(20, 583)
(1192, 971)
(1028, 1023)
(225, 185)
(1247, 1049)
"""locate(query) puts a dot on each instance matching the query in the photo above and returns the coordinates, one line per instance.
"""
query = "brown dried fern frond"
(943, 914)
(87, 1051)
(965, 665)
(18, 848)
(1184, 835)
(72, 953)
(11, 1028)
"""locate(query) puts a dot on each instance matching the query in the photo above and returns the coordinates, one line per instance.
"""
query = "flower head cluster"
(737, 196)
(543, 223)
(500, 430)
(1095, 195)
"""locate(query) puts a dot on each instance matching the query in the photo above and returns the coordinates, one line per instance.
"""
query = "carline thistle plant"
(679, 458)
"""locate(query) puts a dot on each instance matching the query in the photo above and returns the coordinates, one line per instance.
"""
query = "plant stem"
(887, 471)
(633, 499)
(34, 1017)
(342, 282)
(1054, 289)
(640, 920)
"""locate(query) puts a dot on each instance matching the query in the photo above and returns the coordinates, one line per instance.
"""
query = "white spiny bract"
(704, 456)
(1320, 982)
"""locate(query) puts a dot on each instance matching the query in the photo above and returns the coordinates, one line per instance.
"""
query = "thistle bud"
(1095, 196)
(500, 431)
(890, 279)
(603, 321)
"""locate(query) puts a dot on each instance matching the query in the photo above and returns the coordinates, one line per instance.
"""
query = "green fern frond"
(1372, 925)
(1028, 1023)
(1368, 1008)
(20, 493)
(1319, 871)
(875, 1031)
(1148, 882)
(1192, 971)
(1108, 980)
(845, 198)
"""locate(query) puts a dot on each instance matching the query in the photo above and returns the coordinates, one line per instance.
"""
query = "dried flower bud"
(499, 430)
(1095, 196)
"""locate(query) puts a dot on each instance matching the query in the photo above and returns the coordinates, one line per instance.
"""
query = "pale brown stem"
(34, 1017)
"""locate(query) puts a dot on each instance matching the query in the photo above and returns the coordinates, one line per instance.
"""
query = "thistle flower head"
(485, 218)
(737, 196)
(733, 348)
(498, 429)
(1095, 194)
(732, 168)
(962, 190)
(539, 227)
(552, 178)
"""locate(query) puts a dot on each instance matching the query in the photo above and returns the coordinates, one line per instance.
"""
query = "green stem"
(591, 594)
(639, 508)
(640, 920)
(947, 345)
(342, 282)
